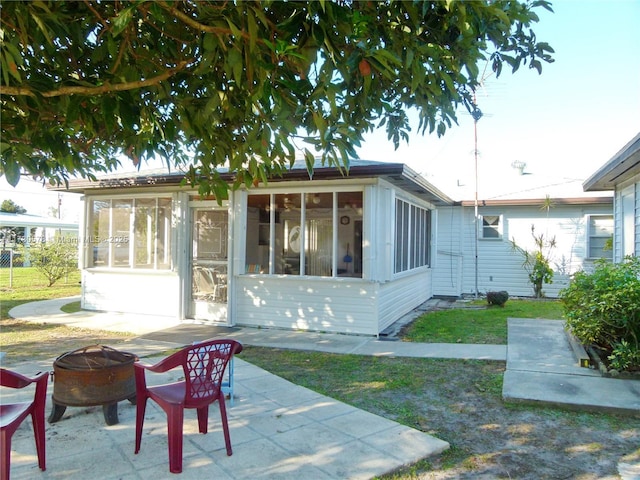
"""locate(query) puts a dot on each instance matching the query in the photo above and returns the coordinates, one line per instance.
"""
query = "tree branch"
(195, 24)
(88, 91)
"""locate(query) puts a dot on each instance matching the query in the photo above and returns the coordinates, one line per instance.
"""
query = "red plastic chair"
(12, 415)
(204, 366)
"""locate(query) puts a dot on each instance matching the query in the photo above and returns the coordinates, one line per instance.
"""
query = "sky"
(564, 124)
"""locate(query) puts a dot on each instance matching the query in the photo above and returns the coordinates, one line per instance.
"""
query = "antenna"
(477, 115)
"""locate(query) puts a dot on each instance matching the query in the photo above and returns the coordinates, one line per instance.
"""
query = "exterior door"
(209, 264)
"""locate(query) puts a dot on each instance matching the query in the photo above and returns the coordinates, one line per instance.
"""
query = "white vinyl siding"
(315, 304)
(499, 266)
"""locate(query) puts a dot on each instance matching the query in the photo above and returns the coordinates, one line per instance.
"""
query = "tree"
(53, 259)
(246, 85)
(537, 263)
(10, 206)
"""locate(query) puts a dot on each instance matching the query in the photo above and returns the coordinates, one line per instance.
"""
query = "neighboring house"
(622, 175)
(335, 253)
(580, 227)
(25, 229)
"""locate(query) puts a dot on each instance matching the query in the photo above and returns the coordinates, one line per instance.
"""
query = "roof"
(511, 188)
(623, 166)
(397, 174)
(25, 220)
(538, 202)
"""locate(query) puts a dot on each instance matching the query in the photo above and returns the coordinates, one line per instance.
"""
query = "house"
(26, 229)
(622, 175)
(580, 227)
(475, 252)
(333, 253)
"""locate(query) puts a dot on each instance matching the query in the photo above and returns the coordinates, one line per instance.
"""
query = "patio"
(278, 430)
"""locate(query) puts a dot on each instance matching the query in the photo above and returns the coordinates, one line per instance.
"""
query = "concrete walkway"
(281, 430)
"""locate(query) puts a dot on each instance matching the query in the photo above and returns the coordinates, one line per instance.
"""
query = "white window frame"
(305, 193)
(113, 237)
(628, 217)
(499, 229)
(413, 232)
(591, 236)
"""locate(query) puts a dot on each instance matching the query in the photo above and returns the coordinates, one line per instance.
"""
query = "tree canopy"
(247, 86)
(9, 206)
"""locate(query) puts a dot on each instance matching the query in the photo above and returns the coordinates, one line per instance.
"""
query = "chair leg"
(5, 446)
(175, 420)
(141, 406)
(225, 425)
(203, 418)
(37, 418)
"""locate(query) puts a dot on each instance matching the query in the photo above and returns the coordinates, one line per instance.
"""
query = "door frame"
(189, 303)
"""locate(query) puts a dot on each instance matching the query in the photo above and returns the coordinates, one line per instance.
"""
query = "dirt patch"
(461, 402)
(28, 341)
(491, 439)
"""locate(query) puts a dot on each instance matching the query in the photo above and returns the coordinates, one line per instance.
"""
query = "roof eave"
(397, 173)
(526, 202)
(622, 166)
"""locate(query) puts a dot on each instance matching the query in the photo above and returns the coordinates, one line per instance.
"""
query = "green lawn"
(476, 322)
(29, 285)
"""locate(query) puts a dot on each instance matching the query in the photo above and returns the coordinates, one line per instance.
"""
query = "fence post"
(11, 268)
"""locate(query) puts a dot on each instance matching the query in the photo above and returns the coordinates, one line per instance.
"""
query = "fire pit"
(93, 375)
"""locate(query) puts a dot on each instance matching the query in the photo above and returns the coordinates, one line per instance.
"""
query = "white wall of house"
(627, 219)
(353, 302)
(499, 267)
(142, 293)
(363, 306)
(310, 303)
(397, 298)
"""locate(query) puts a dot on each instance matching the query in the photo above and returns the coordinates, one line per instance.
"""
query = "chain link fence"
(55, 257)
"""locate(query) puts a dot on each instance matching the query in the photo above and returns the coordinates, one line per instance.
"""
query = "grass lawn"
(22, 340)
(29, 285)
(476, 322)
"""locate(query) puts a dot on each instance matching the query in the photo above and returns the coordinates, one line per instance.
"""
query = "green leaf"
(122, 20)
(11, 171)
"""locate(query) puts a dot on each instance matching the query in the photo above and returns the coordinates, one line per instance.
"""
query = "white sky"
(564, 124)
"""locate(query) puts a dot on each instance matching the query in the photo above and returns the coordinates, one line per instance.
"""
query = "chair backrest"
(204, 280)
(204, 367)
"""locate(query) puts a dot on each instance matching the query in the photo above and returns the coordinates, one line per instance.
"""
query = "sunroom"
(349, 254)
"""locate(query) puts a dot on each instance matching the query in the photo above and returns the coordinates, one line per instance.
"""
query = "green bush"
(55, 259)
(537, 263)
(497, 298)
(603, 309)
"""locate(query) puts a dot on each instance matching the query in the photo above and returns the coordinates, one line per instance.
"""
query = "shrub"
(602, 309)
(537, 264)
(497, 298)
(55, 259)
(624, 356)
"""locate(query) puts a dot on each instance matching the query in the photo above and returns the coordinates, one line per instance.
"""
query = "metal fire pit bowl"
(93, 375)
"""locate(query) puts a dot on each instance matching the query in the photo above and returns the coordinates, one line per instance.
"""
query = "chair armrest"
(164, 365)
(12, 379)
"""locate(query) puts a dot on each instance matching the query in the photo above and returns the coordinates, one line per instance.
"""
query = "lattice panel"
(205, 369)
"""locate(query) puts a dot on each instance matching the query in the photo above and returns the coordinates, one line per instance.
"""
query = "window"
(305, 233)
(129, 233)
(628, 236)
(600, 236)
(491, 226)
(413, 235)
